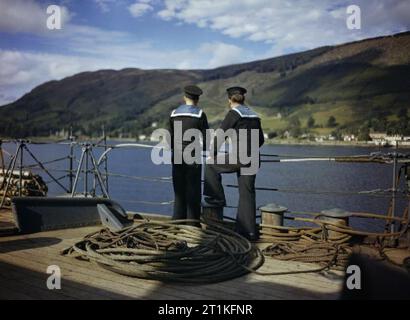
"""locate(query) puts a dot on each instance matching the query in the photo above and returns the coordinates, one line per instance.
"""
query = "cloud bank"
(282, 26)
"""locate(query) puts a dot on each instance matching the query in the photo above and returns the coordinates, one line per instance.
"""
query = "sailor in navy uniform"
(239, 117)
(187, 177)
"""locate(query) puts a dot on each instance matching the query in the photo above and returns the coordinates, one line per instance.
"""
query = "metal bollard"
(273, 214)
(337, 216)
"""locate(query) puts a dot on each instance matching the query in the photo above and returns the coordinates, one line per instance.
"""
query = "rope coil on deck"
(171, 252)
(325, 253)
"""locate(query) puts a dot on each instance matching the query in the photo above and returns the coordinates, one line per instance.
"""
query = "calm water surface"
(302, 176)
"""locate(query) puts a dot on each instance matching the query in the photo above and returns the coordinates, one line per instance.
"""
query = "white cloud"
(26, 16)
(140, 8)
(284, 24)
(221, 54)
(104, 5)
(289, 24)
(20, 71)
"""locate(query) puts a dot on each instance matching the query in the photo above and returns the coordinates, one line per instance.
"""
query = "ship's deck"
(24, 260)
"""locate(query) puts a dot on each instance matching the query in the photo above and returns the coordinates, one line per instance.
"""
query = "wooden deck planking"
(6, 219)
(29, 256)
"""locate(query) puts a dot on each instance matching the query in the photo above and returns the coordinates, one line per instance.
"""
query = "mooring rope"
(171, 252)
(176, 251)
(325, 253)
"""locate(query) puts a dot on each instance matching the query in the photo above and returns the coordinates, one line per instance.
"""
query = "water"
(308, 176)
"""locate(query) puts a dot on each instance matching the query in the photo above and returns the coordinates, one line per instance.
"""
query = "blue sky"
(183, 34)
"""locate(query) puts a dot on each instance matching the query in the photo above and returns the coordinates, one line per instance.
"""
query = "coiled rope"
(325, 253)
(171, 252)
(178, 252)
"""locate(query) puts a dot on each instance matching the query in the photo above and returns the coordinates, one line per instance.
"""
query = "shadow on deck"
(17, 282)
(24, 261)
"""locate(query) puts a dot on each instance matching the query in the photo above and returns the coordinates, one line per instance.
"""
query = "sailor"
(187, 176)
(239, 117)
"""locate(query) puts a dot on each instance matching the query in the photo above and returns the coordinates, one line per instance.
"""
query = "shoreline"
(290, 142)
(361, 144)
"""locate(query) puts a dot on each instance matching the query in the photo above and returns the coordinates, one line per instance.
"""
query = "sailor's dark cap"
(236, 90)
(193, 92)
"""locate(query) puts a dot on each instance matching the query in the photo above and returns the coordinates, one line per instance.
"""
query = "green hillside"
(353, 88)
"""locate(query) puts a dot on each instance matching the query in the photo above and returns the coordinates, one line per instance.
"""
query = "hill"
(352, 88)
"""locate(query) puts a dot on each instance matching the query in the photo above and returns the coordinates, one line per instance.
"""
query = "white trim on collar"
(173, 115)
(245, 115)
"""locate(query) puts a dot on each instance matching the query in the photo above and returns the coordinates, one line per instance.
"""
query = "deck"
(24, 260)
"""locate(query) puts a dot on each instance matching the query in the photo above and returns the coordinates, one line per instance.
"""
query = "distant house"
(331, 137)
(349, 138)
(154, 124)
(383, 139)
(320, 139)
(378, 136)
(142, 137)
(304, 136)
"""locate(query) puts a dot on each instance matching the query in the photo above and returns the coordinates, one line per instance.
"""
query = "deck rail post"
(21, 146)
(3, 165)
(71, 161)
(393, 241)
(106, 159)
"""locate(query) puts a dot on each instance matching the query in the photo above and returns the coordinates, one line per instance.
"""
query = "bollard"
(273, 214)
(213, 212)
(338, 217)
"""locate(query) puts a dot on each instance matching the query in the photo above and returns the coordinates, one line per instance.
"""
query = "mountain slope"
(364, 85)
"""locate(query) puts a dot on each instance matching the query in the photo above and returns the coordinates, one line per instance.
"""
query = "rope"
(179, 252)
(171, 252)
(326, 254)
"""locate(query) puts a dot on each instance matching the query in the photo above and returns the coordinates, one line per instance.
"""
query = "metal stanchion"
(106, 159)
(71, 161)
(22, 144)
(86, 156)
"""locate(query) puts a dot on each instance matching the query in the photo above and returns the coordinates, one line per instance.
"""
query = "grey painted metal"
(77, 175)
(336, 213)
(273, 214)
(115, 218)
(273, 208)
(36, 214)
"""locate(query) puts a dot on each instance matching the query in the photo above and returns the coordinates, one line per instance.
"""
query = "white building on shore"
(383, 139)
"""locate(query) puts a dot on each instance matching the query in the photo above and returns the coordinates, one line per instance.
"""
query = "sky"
(181, 34)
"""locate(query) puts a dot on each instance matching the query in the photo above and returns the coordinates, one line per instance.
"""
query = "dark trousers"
(187, 188)
(214, 193)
